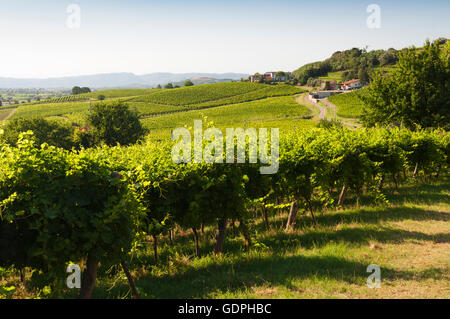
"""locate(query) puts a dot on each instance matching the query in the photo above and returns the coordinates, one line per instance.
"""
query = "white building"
(351, 85)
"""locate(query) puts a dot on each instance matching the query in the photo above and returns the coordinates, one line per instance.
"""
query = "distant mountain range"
(118, 80)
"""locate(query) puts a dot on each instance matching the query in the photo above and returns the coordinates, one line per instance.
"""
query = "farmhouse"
(272, 76)
(351, 85)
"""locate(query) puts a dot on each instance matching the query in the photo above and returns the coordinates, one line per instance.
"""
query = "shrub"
(55, 133)
(59, 207)
(115, 123)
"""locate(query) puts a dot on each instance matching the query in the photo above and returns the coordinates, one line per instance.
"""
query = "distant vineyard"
(200, 94)
(267, 109)
(50, 109)
(177, 99)
(109, 94)
(349, 104)
(271, 91)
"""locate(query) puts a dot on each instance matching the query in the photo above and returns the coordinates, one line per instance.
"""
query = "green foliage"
(58, 206)
(310, 71)
(56, 133)
(416, 93)
(278, 107)
(354, 62)
(83, 138)
(329, 124)
(388, 57)
(349, 104)
(77, 90)
(188, 83)
(199, 93)
(265, 92)
(115, 123)
(109, 94)
(51, 109)
(101, 97)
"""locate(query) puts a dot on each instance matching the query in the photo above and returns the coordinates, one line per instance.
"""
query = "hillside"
(349, 104)
(346, 65)
(350, 64)
(165, 109)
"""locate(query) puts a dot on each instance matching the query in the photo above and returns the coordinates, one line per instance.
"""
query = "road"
(6, 113)
(322, 111)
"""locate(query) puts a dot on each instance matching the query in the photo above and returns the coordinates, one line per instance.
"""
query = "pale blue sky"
(201, 35)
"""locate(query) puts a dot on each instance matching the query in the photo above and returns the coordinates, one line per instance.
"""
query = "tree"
(363, 75)
(101, 97)
(188, 83)
(440, 41)
(115, 123)
(168, 86)
(159, 86)
(55, 133)
(280, 75)
(388, 57)
(76, 90)
(417, 93)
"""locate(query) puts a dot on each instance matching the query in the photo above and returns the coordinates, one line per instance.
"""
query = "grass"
(409, 239)
(332, 76)
(349, 105)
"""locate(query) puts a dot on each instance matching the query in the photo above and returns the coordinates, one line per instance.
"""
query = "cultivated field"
(348, 104)
(362, 196)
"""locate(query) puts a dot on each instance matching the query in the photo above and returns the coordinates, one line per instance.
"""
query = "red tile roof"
(351, 81)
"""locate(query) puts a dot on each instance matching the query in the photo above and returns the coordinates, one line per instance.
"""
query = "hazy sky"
(201, 35)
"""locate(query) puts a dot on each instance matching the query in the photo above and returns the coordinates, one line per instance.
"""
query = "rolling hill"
(162, 110)
(115, 80)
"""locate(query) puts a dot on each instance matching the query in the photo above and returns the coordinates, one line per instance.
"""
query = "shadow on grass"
(271, 271)
(420, 192)
(354, 236)
(207, 277)
(365, 215)
(361, 235)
